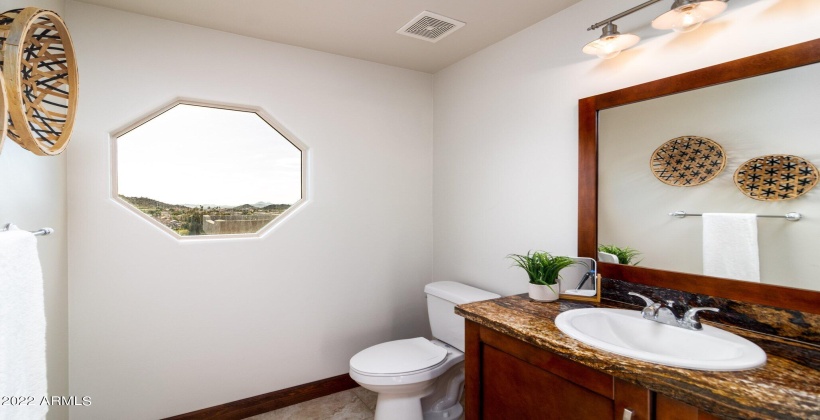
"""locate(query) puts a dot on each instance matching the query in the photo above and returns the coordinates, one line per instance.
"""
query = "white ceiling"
(364, 29)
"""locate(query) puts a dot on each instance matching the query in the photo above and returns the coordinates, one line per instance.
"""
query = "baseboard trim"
(259, 404)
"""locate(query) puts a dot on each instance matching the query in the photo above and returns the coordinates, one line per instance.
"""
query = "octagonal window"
(201, 170)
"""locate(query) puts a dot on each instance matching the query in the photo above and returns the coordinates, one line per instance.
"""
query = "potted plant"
(542, 269)
(625, 255)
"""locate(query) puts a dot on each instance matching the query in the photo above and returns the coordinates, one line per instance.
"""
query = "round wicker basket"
(40, 73)
(4, 123)
(776, 177)
(687, 161)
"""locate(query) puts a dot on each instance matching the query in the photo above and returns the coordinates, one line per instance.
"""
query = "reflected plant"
(625, 255)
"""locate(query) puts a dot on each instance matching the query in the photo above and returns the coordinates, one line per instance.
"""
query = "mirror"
(603, 111)
(580, 281)
(749, 118)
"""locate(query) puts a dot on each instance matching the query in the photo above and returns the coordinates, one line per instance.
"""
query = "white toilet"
(420, 378)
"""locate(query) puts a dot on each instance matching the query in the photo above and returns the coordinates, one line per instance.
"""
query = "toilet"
(419, 378)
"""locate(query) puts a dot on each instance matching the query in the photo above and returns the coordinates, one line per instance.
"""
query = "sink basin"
(625, 332)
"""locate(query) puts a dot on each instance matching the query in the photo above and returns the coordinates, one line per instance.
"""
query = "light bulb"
(608, 51)
(611, 43)
(689, 16)
(689, 20)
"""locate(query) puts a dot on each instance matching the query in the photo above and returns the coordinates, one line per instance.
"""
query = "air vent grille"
(430, 27)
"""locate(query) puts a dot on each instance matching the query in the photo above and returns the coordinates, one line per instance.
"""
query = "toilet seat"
(452, 358)
(399, 357)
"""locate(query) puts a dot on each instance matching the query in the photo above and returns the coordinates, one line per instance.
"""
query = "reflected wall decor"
(688, 161)
(776, 177)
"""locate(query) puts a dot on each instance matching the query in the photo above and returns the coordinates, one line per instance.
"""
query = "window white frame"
(276, 125)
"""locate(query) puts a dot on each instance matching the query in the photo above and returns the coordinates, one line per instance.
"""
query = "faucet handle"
(648, 301)
(690, 318)
(651, 309)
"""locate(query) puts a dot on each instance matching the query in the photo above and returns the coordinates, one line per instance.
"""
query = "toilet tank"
(442, 298)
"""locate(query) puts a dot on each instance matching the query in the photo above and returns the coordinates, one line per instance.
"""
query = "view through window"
(205, 170)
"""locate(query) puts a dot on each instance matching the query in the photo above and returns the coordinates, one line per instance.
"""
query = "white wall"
(33, 195)
(771, 114)
(160, 327)
(506, 130)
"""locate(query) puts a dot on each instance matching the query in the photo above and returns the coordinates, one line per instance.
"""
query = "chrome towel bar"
(792, 216)
(40, 232)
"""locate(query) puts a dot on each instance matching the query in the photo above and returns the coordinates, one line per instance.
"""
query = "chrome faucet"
(658, 312)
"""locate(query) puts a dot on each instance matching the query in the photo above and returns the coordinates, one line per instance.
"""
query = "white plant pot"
(543, 293)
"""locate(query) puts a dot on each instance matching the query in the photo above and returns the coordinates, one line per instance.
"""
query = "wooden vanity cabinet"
(509, 379)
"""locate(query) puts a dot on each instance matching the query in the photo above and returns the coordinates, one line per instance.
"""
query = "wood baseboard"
(259, 404)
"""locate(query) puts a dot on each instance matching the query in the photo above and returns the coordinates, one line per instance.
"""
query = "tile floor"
(353, 404)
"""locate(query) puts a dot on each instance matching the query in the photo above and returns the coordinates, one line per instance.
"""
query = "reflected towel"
(730, 246)
(22, 326)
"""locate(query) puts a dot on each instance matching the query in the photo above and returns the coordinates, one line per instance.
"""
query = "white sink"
(625, 332)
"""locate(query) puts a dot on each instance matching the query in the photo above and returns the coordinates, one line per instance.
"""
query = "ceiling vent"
(430, 27)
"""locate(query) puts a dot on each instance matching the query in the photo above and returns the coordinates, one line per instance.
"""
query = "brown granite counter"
(786, 387)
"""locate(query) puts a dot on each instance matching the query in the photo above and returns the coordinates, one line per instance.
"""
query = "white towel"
(22, 327)
(730, 246)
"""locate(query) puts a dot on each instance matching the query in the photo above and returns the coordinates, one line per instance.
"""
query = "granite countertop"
(786, 387)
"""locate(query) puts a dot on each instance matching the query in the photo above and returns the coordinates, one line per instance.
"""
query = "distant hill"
(144, 202)
(245, 207)
(277, 207)
(260, 204)
(150, 203)
(270, 207)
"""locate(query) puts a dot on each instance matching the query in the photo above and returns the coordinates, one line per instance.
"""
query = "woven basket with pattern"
(40, 74)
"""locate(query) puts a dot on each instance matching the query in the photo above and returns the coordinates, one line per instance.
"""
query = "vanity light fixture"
(688, 15)
(685, 16)
(611, 42)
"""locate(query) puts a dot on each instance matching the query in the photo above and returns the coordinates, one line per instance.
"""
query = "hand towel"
(22, 327)
(730, 246)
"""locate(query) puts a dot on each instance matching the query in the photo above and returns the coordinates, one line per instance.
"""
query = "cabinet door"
(632, 402)
(670, 409)
(514, 389)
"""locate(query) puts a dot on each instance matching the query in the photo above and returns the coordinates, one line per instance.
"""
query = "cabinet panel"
(472, 371)
(558, 365)
(514, 389)
(670, 409)
(634, 398)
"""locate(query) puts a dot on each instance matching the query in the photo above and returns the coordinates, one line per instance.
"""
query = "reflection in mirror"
(580, 281)
(771, 114)
(201, 170)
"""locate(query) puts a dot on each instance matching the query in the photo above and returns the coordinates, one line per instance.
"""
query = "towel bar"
(791, 216)
(40, 232)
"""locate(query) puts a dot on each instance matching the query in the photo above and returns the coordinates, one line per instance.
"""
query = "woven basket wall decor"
(776, 177)
(40, 73)
(4, 122)
(687, 161)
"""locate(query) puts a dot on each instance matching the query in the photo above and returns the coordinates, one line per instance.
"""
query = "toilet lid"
(400, 356)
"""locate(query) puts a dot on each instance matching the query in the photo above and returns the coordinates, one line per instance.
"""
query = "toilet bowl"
(404, 372)
(419, 378)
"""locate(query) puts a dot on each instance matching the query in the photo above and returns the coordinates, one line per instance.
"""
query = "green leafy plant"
(625, 255)
(542, 267)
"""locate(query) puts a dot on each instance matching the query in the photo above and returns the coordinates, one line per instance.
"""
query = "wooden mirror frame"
(769, 62)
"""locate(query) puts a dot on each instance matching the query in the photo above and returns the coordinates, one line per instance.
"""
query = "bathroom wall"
(33, 195)
(506, 131)
(160, 327)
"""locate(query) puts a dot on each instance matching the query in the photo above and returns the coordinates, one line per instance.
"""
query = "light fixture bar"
(622, 14)
(685, 16)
